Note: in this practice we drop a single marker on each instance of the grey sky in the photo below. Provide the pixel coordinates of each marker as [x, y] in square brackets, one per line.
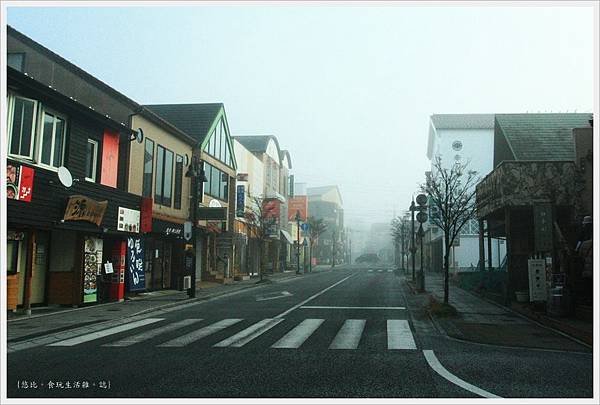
[346, 89]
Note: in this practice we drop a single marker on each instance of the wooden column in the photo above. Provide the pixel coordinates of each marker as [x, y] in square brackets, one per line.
[29, 272]
[508, 287]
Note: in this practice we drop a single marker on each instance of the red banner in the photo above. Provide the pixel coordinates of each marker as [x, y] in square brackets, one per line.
[26, 183]
[298, 204]
[146, 215]
[19, 182]
[271, 208]
[110, 158]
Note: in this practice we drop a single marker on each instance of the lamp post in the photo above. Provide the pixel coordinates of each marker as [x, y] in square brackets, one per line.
[298, 242]
[195, 171]
[421, 217]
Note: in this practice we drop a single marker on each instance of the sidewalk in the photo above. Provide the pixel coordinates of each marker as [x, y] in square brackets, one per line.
[484, 321]
[52, 319]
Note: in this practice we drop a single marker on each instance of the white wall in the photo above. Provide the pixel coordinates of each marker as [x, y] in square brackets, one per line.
[248, 163]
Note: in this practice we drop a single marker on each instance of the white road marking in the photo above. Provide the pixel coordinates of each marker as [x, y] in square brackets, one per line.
[191, 337]
[327, 307]
[390, 271]
[399, 335]
[438, 368]
[248, 334]
[370, 271]
[294, 338]
[312, 297]
[380, 271]
[349, 335]
[282, 294]
[130, 340]
[106, 332]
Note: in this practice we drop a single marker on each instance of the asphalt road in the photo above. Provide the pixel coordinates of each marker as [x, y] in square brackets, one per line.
[350, 332]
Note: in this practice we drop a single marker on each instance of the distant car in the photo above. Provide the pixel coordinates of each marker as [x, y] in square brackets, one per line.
[367, 258]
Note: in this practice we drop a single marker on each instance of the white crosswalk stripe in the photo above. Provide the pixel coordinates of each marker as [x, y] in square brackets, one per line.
[248, 334]
[294, 338]
[399, 335]
[106, 332]
[200, 333]
[349, 335]
[130, 340]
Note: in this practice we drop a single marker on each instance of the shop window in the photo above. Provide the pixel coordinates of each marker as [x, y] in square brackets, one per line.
[12, 256]
[164, 176]
[148, 168]
[91, 160]
[178, 181]
[21, 126]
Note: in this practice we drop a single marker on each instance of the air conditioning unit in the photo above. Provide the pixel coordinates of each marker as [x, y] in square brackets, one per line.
[187, 282]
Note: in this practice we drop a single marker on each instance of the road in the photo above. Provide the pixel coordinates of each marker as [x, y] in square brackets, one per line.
[350, 332]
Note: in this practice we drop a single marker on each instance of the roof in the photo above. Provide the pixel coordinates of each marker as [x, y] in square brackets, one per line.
[541, 136]
[463, 121]
[283, 153]
[319, 191]
[193, 119]
[257, 143]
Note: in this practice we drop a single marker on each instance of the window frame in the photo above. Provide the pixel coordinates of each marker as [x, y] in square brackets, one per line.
[178, 184]
[96, 145]
[149, 192]
[40, 138]
[161, 176]
[33, 135]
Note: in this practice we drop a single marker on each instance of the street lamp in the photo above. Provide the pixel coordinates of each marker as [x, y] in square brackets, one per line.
[413, 248]
[195, 172]
[421, 217]
[298, 242]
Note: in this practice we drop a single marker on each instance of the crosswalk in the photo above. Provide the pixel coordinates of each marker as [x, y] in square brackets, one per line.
[380, 271]
[348, 337]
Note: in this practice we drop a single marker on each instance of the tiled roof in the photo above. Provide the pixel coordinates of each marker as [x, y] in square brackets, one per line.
[255, 143]
[193, 119]
[463, 121]
[541, 136]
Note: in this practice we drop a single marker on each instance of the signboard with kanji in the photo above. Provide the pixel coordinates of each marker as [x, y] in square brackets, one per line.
[542, 227]
[19, 182]
[135, 264]
[537, 279]
[82, 208]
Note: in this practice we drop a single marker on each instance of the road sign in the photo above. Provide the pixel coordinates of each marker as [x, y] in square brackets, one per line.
[421, 199]
[304, 227]
[422, 217]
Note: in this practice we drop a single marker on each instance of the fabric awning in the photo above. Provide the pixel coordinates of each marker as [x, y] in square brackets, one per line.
[287, 236]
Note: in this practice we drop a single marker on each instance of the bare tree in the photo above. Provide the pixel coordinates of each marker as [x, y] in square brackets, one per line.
[400, 234]
[258, 221]
[316, 227]
[452, 192]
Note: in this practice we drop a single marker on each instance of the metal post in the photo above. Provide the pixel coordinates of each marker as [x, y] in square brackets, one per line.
[298, 242]
[413, 248]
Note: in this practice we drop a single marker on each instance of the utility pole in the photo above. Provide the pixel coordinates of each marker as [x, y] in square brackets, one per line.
[195, 172]
[413, 248]
[298, 242]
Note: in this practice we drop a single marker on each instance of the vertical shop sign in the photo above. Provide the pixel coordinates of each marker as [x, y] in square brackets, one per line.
[19, 182]
[110, 158]
[92, 268]
[240, 206]
[135, 264]
[146, 215]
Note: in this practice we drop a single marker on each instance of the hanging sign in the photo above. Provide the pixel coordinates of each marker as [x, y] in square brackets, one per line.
[135, 264]
[240, 201]
[129, 220]
[19, 182]
[81, 208]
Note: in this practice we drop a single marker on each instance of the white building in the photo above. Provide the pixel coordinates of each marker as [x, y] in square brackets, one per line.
[465, 138]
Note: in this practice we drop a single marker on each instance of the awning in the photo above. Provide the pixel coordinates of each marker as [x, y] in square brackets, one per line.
[287, 236]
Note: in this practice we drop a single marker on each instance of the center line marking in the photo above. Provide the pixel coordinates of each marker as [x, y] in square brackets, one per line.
[327, 307]
[312, 297]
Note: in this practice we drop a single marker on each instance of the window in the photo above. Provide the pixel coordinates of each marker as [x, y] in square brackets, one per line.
[12, 254]
[91, 160]
[164, 176]
[148, 166]
[16, 61]
[218, 182]
[21, 122]
[52, 140]
[178, 181]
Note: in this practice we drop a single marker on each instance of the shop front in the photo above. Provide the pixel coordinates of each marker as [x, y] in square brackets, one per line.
[164, 250]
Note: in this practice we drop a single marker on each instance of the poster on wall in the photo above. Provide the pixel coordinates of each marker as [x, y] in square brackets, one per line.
[135, 265]
[92, 267]
[19, 182]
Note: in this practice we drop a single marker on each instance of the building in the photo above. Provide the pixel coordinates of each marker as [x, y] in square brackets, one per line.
[276, 166]
[535, 198]
[207, 125]
[73, 229]
[464, 138]
[326, 203]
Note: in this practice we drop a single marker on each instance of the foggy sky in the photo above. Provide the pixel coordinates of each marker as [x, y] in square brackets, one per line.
[348, 90]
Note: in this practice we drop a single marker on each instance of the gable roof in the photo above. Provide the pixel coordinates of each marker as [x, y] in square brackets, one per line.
[193, 119]
[259, 143]
[463, 121]
[541, 136]
[284, 153]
